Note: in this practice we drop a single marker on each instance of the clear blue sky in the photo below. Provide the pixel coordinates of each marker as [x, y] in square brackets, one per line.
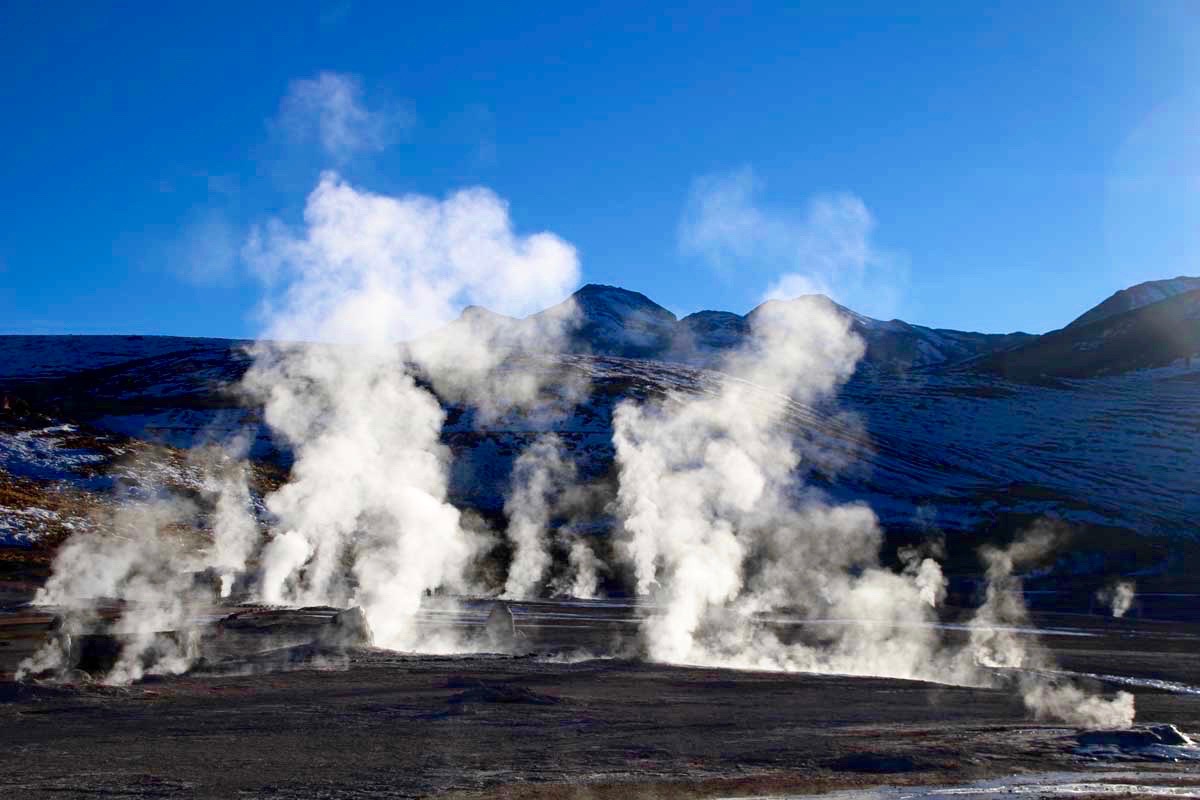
[1020, 160]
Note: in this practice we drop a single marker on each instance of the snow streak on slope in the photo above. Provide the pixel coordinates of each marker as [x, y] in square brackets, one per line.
[46, 453]
[1113, 450]
[1137, 296]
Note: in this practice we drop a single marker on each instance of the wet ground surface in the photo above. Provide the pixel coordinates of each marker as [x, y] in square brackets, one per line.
[312, 723]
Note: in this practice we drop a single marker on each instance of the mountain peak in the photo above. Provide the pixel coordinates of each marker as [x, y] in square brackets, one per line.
[599, 294]
[814, 301]
[616, 321]
[611, 320]
[1134, 297]
[480, 313]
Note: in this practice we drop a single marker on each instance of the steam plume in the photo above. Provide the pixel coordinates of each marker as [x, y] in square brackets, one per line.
[721, 532]
[235, 530]
[996, 642]
[584, 580]
[1118, 597]
[538, 476]
[364, 518]
[542, 487]
[716, 525]
[140, 561]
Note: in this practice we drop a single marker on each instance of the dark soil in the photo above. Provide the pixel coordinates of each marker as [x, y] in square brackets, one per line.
[373, 724]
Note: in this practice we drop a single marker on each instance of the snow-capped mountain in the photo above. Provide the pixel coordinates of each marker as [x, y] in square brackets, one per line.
[896, 345]
[1143, 294]
[617, 322]
[1148, 336]
[942, 429]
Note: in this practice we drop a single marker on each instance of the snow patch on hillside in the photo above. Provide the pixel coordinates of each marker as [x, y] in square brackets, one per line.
[25, 527]
[26, 358]
[1143, 294]
[43, 453]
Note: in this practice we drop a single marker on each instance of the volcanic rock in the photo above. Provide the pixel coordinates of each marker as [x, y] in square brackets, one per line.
[500, 630]
[349, 628]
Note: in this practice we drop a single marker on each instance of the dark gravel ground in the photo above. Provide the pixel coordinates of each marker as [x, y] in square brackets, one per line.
[373, 724]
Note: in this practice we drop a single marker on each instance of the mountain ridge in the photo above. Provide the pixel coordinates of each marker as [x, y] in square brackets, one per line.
[990, 450]
[1134, 297]
[1152, 335]
[614, 321]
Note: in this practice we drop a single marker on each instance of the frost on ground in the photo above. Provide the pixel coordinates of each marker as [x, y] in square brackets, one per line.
[38, 515]
[53, 452]
[57, 479]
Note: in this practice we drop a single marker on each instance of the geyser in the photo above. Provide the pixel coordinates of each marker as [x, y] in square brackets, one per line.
[343, 375]
[719, 528]
[364, 517]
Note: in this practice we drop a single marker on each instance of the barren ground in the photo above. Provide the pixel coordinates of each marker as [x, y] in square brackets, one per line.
[374, 723]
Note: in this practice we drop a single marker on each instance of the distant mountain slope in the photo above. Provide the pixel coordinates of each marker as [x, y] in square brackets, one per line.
[897, 345]
[1152, 335]
[980, 449]
[24, 358]
[612, 321]
[617, 322]
[715, 330]
[1135, 297]
[973, 454]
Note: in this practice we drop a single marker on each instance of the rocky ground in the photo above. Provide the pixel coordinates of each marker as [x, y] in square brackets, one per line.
[579, 716]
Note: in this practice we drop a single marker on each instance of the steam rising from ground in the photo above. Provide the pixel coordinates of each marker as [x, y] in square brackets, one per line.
[539, 475]
[583, 580]
[343, 377]
[236, 534]
[995, 642]
[543, 486]
[720, 530]
[364, 518]
[717, 523]
[143, 555]
[1118, 597]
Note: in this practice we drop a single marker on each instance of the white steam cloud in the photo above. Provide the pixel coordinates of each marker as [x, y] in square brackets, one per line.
[1118, 597]
[720, 532]
[542, 487]
[823, 248]
[364, 519]
[142, 578]
[996, 641]
[344, 379]
[583, 581]
[539, 476]
[235, 530]
[330, 109]
[748, 568]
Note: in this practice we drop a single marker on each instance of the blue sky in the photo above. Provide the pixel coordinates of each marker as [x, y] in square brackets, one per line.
[993, 167]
